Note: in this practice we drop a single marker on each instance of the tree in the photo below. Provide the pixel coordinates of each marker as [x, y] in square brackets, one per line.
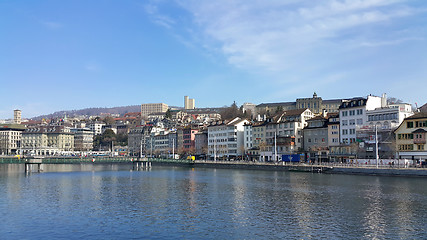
[122, 139]
[168, 114]
[104, 140]
[231, 112]
[109, 120]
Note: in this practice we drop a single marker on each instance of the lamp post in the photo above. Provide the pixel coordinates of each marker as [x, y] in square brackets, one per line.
[376, 144]
[215, 148]
[140, 149]
[275, 147]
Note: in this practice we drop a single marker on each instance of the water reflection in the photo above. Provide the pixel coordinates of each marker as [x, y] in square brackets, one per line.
[113, 202]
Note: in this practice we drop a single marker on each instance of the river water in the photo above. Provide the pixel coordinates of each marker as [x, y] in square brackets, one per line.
[114, 202]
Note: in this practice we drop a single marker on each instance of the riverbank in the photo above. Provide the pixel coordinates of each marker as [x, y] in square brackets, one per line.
[329, 169]
[267, 166]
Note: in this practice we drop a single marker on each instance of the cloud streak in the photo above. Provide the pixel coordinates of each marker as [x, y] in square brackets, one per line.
[273, 35]
[285, 40]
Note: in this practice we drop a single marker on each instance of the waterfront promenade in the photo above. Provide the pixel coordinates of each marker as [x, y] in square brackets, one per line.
[331, 168]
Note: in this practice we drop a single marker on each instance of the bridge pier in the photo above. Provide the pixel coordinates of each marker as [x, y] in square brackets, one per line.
[33, 162]
[141, 164]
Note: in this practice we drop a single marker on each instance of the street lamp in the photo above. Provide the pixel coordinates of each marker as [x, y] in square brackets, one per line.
[376, 144]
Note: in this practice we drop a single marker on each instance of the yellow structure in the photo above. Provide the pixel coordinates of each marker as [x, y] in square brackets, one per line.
[411, 138]
[47, 140]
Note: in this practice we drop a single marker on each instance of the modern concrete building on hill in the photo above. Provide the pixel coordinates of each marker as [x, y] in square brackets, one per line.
[17, 119]
[189, 103]
[148, 108]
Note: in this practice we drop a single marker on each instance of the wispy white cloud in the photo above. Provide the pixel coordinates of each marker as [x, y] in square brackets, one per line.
[51, 24]
[156, 17]
[293, 41]
[273, 35]
[390, 42]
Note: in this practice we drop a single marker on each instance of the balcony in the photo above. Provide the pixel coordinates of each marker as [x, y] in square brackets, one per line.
[419, 140]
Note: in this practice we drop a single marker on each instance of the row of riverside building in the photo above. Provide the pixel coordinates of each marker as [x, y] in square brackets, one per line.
[312, 129]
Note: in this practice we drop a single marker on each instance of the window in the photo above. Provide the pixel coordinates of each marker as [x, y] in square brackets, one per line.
[409, 124]
[344, 132]
[352, 122]
[344, 122]
[359, 111]
[344, 114]
[352, 131]
[359, 121]
[351, 112]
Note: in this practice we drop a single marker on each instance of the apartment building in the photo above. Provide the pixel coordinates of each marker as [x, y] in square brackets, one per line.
[10, 138]
[353, 115]
[225, 139]
[47, 140]
[316, 139]
[333, 129]
[411, 138]
[389, 116]
[96, 127]
[83, 139]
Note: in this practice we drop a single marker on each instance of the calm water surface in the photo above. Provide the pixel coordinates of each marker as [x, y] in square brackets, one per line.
[112, 202]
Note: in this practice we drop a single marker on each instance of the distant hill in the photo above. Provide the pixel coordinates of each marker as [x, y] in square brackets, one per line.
[92, 112]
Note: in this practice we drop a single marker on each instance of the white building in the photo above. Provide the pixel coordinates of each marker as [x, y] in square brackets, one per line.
[389, 117]
[225, 139]
[247, 136]
[96, 127]
[353, 115]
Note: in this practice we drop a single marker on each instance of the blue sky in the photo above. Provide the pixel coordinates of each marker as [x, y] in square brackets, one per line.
[65, 55]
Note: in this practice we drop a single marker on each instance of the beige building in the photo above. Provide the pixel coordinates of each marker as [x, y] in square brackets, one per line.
[148, 108]
[10, 138]
[334, 129]
[47, 140]
[411, 138]
[17, 116]
[189, 103]
[315, 104]
[83, 139]
[279, 135]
